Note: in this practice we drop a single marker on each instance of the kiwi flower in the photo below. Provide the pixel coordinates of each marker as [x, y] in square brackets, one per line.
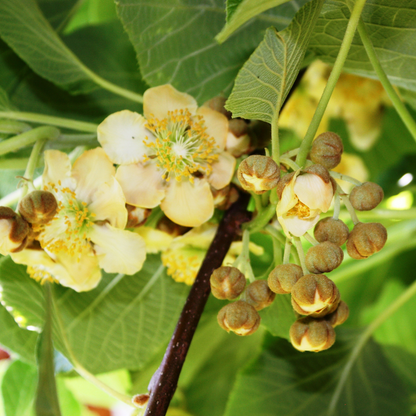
[170, 157]
[87, 232]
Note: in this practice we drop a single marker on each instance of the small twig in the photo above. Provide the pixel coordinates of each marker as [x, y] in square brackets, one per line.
[164, 381]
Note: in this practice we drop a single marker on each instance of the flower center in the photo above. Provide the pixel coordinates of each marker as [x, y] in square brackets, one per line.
[300, 209]
[182, 147]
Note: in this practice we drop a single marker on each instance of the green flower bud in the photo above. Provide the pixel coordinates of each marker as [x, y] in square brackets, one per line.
[330, 229]
[327, 150]
[283, 277]
[324, 257]
[239, 317]
[367, 196]
[38, 207]
[339, 316]
[259, 295]
[14, 232]
[227, 283]
[315, 295]
[308, 334]
[366, 239]
[258, 174]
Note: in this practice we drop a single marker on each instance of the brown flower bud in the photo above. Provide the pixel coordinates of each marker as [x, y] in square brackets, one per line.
[308, 334]
[14, 231]
[367, 196]
[258, 174]
[327, 149]
[239, 317]
[283, 277]
[330, 229]
[217, 104]
[366, 239]
[227, 283]
[320, 171]
[315, 295]
[259, 295]
[339, 316]
[38, 207]
[238, 127]
[324, 257]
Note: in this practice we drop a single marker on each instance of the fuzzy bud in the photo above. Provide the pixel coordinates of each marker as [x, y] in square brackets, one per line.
[14, 232]
[339, 316]
[239, 317]
[227, 283]
[320, 171]
[258, 174]
[259, 295]
[324, 257]
[308, 334]
[315, 295]
[367, 196]
[38, 207]
[327, 150]
[330, 229]
[283, 277]
[366, 239]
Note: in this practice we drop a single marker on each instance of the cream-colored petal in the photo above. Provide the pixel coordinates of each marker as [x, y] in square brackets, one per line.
[142, 184]
[216, 125]
[188, 204]
[156, 240]
[222, 171]
[297, 226]
[314, 192]
[122, 136]
[288, 199]
[158, 101]
[237, 146]
[57, 169]
[91, 170]
[109, 204]
[118, 251]
[6, 244]
[199, 237]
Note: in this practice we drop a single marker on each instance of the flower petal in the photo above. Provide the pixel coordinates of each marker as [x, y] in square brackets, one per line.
[237, 146]
[156, 240]
[216, 125]
[158, 101]
[118, 251]
[288, 199]
[297, 226]
[188, 204]
[57, 169]
[142, 184]
[222, 171]
[314, 192]
[122, 134]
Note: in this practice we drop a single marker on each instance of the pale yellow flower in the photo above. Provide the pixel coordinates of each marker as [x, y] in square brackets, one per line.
[172, 156]
[87, 233]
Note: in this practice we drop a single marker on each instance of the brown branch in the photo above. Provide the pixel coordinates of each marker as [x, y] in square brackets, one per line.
[165, 380]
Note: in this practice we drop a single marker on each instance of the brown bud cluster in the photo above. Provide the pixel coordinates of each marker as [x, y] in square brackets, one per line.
[283, 277]
[38, 207]
[14, 232]
[239, 317]
[227, 283]
[330, 229]
[366, 239]
[259, 295]
[367, 196]
[327, 150]
[324, 257]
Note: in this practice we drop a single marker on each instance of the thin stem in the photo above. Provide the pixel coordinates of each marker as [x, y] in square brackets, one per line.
[310, 239]
[346, 178]
[275, 140]
[301, 254]
[243, 260]
[350, 209]
[291, 153]
[277, 251]
[28, 138]
[391, 92]
[13, 127]
[262, 219]
[258, 202]
[283, 241]
[337, 205]
[289, 162]
[332, 80]
[288, 246]
[50, 120]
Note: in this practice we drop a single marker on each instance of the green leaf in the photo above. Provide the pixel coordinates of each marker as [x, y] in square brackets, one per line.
[120, 324]
[4, 101]
[57, 12]
[392, 30]
[284, 381]
[174, 42]
[267, 77]
[18, 388]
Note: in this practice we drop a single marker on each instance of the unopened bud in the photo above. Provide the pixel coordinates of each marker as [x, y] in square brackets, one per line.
[217, 104]
[140, 400]
[315, 295]
[38, 207]
[320, 171]
[324, 257]
[327, 150]
[239, 317]
[339, 316]
[366, 239]
[259, 295]
[330, 229]
[227, 283]
[367, 196]
[283, 277]
[258, 174]
[14, 232]
[309, 334]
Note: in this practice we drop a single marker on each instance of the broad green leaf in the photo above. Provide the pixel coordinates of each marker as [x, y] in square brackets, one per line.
[57, 12]
[121, 324]
[284, 381]
[174, 42]
[267, 77]
[18, 388]
[392, 30]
